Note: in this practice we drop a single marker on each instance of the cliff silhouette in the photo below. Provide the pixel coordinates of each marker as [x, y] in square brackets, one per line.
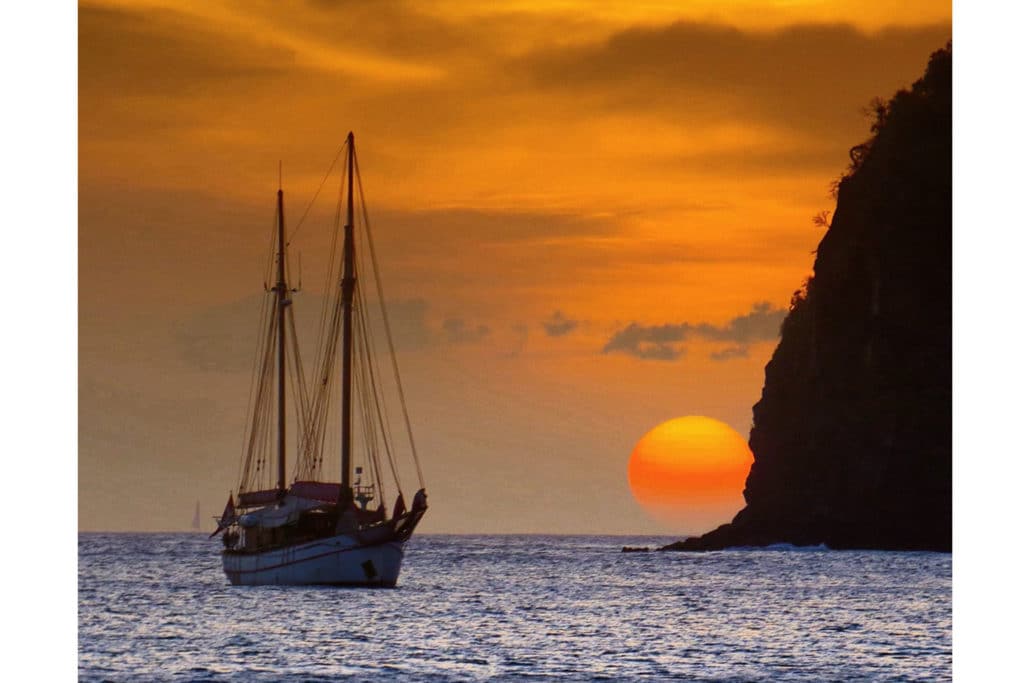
[852, 437]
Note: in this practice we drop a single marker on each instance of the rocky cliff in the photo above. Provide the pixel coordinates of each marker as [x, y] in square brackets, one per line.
[852, 435]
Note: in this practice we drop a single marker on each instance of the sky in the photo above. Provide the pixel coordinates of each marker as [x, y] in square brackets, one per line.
[590, 219]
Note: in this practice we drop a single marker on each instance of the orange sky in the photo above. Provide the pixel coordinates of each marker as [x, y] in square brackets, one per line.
[594, 198]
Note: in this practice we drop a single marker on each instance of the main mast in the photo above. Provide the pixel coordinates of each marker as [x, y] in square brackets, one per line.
[281, 288]
[348, 286]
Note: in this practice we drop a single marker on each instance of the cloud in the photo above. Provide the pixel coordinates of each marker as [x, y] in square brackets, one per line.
[512, 344]
[558, 325]
[654, 342]
[494, 227]
[761, 324]
[409, 326]
[146, 78]
[729, 353]
[664, 342]
[223, 337]
[166, 54]
[458, 332]
[808, 77]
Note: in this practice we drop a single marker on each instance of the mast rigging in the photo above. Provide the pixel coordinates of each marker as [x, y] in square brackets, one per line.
[348, 286]
[281, 289]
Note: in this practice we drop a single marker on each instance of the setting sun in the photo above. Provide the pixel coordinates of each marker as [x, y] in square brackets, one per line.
[688, 472]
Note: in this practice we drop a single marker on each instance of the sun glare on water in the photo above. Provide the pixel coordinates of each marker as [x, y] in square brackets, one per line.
[688, 473]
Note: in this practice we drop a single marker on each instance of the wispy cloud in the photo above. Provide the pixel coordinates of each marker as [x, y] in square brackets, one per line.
[458, 332]
[729, 353]
[558, 325]
[665, 342]
[773, 76]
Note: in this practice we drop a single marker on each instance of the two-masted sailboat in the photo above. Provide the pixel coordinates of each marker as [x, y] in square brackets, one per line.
[310, 530]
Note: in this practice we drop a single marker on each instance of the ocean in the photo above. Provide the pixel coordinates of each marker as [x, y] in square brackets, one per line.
[157, 607]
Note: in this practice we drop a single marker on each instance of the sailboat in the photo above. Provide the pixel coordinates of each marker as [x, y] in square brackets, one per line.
[195, 518]
[311, 530]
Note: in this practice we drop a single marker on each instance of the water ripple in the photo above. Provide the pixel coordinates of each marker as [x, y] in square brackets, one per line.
[470, 608]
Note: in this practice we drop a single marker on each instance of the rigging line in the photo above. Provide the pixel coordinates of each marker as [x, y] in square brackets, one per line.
[328, 381]
[297, 410]
[308, 447]
[317, 425]
[253, 383]
[267, 419]
[260, 447]
[305, 402]
[323, 362]
[251, 408]
[330, 294]
[387, 325]
[373, 459]
[373, 367]
[263, 432]
[378, 401]
[268, 267]
[390, 441]
[375, 455]
[367, 413]
[256, 455]
[309, 450]
[313, 411]
[314, 431]
[317, 193]
[327, 377]
[328, 298]
[300, 375]
[359, 382]
[299, 393]
[258, 403]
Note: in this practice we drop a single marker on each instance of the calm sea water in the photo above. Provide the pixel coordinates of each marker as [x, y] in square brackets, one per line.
[157, 607]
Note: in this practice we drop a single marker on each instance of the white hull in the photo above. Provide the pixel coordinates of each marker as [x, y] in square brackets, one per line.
[337, 560]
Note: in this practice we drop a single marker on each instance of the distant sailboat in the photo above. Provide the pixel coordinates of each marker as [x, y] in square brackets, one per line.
[195, 518]
[312, 531]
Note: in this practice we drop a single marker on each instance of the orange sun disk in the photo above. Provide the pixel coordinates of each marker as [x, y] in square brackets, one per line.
[690, 472]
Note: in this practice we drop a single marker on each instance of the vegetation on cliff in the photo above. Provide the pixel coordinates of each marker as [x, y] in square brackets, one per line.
[852, 437]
